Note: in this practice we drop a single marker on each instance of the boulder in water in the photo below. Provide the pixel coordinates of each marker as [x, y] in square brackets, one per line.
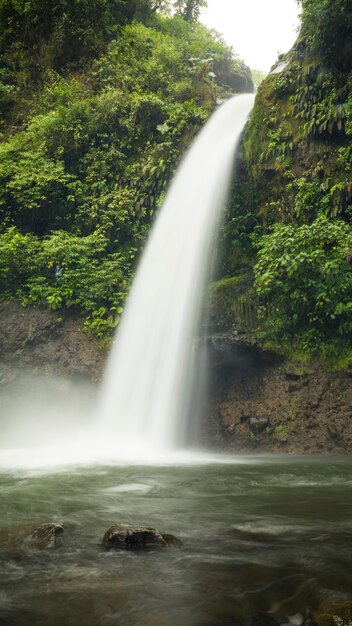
[171, 540]
[136, 537]
[45, 537]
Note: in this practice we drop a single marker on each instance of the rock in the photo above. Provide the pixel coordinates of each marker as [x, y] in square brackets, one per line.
[292, 374]
[171, 540]
[258, 424]
[136, 537]
[337, 613]
[231, 429]
[45, 537]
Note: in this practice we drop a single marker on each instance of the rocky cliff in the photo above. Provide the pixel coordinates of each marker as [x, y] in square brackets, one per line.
[260, 403]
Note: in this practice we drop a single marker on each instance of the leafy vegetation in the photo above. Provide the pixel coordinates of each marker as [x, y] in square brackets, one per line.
[92, 134]
[326, 30]
[66, 270]
[290, 215]
[304, 280]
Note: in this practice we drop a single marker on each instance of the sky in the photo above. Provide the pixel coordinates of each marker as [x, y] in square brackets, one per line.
[258, 30]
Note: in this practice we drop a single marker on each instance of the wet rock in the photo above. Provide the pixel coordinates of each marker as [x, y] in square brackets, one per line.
[258, 424]
[45, 537]
[292, 374]
[137, 537]
[171, 540]
[337, 613]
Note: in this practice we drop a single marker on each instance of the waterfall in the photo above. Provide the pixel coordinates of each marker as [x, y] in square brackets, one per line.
[145, 394]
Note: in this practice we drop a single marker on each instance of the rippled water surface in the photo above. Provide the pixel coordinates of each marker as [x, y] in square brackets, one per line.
[263, 540]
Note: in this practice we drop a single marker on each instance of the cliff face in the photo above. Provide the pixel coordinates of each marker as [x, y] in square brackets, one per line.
[34, 341]
[260, 403]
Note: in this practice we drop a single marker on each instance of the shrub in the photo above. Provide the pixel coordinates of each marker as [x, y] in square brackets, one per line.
[303, 277]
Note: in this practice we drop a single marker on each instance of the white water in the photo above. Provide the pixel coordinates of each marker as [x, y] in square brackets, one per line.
[146, 393]
[145, 399]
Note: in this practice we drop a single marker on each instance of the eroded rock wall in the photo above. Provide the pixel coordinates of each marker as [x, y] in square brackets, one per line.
[259, 403]
[36, 340]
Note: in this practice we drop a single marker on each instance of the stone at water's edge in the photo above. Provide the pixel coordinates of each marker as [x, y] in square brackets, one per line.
[45, 537]
[136, 537]
[171, 540]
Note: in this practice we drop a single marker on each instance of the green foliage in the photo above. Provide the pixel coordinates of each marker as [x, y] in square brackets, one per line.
[18, 259]
[84, 174]
[295, 192]
[258, 77]
[232, 304]
[279, 144]
[60, 32]
[321, 106]
[189, 9]
[326, 29]
[37, 190]
[38, 36]
[303, 277]
[65, 270]
[310, 198]
[99, 156]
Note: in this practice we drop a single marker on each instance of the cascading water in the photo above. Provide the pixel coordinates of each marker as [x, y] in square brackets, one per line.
[150, 371]
[146, 395]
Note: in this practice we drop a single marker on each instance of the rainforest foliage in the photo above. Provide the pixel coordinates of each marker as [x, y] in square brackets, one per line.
[99, 99]
[289, 224]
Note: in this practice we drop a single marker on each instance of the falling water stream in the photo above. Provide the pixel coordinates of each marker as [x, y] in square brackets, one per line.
[266, 541]
[148, 385]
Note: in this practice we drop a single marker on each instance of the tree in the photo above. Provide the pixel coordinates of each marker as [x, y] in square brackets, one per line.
[326, 26]
[189, 9]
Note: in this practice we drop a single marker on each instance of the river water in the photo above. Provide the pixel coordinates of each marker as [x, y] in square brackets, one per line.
[265, 541]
